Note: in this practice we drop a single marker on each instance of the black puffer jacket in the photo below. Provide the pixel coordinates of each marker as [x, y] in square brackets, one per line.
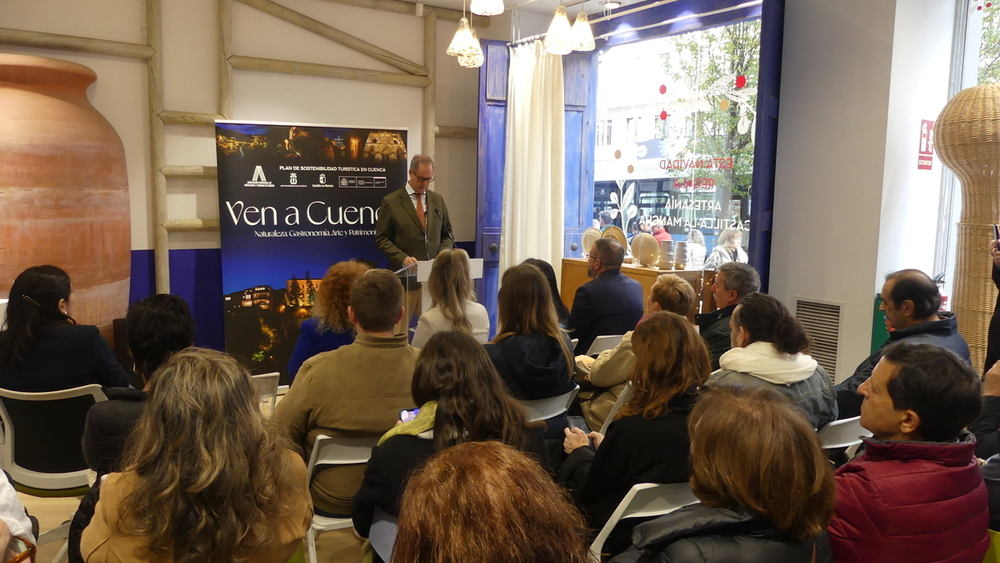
[714, 329]
[533, 366]
[698, 533]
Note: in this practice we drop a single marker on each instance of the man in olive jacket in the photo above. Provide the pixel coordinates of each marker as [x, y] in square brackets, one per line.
[734, 281]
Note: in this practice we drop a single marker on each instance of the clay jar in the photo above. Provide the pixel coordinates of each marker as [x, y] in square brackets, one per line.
[63, 186]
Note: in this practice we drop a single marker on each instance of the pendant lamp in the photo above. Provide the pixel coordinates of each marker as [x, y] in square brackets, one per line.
[559, 37]
[583, 37]
[464, 41]
[486, 7]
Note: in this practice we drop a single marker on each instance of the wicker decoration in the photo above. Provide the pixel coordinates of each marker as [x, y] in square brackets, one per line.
[967, 138]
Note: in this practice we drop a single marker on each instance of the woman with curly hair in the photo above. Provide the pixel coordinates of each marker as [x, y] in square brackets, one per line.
[205, 478]
[328, 328]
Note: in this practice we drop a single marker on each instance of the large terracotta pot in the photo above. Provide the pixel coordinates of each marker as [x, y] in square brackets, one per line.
[63, 186]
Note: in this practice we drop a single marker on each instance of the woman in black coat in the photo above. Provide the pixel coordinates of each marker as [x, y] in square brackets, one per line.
[648, 441]
[766, 489]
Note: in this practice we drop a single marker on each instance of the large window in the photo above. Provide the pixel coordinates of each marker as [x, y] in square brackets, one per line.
[685, 107]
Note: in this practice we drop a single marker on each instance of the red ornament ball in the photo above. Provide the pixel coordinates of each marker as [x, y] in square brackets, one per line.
[741, 81]
[979, 7]
[663, 115]
[663, 88]
[989, 4]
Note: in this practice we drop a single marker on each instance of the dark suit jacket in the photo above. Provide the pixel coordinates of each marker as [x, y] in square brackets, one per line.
[68, 357]
[398, 233]
[610, 304]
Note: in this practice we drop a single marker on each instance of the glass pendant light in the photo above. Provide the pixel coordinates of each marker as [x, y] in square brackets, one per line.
[583, 37]
[486, 7]
[559, 37]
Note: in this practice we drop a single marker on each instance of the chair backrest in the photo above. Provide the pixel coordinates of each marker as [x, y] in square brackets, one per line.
[42, 436]
[642, 501]
[622, 397]
[382, 534]
[605, 342]
[328, 450]
[544, 409]
[267, 391]
[842, 433]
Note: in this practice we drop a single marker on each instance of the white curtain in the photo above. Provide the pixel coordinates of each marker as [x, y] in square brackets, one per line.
[534, 170]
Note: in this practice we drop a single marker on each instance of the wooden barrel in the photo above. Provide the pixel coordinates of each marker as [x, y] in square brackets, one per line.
[63, 186]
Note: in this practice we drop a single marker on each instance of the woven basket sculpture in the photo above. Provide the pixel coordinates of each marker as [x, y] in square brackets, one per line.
[967, 139]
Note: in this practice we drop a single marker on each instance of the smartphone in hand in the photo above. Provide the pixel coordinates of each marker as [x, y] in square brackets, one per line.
[407, 415]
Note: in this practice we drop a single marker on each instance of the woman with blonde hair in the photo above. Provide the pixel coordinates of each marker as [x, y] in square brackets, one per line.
[329, 328]
[206, 478]
[648, 441]
[489, 503]
[453, 301]
[695, 250]
[530, 351]
[610, 371]
[728, 248]
[766, 489]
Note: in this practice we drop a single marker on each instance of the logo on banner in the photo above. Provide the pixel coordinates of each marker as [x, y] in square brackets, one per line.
[258, 180]
[293, 178]
[925, 153]
[322, 179]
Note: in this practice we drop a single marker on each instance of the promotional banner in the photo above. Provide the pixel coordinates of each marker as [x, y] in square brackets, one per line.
[294, 199]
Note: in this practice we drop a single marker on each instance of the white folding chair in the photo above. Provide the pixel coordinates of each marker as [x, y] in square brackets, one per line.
[41, 450]
[605, 342]
[842, 433]
[573, 342]
[643, 501]
[267, 391]
[334, 451]
[382, 534]
[622, 397]
[544, 409]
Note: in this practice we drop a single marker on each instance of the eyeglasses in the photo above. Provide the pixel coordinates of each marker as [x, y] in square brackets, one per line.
[421, 179]
[19, 550]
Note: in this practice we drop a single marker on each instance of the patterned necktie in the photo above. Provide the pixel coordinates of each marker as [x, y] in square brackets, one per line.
[420, 211]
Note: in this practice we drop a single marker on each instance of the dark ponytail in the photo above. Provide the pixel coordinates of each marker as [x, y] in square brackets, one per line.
[767, 320]
[33, 311]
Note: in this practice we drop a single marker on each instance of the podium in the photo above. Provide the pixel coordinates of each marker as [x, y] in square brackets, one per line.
[423, 272]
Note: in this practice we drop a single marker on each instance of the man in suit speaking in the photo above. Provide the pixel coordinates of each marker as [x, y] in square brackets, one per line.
[413, 225]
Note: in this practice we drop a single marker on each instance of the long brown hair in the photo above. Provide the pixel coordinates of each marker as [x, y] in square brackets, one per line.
[752, 448]
[472, 402]
[489, 503]
[670, 358]
[211, 472]
[524, 306]
[333, 296]
[451, 287]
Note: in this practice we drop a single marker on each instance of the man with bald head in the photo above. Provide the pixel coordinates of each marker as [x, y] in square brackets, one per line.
[611, 303]
[910, 302]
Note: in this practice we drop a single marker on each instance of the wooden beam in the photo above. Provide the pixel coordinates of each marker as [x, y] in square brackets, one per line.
[225, 51]
[161, 254]
[73, 43]
[190, 225]
[410, 8]
[430, 91]
[190, 171]
[446, 132]
[188, 118]
[335, 35]
[311, 69]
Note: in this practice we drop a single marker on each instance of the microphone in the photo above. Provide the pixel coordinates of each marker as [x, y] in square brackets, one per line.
[446, 225]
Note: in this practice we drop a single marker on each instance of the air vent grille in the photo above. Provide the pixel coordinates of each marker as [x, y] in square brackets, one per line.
[822, 324]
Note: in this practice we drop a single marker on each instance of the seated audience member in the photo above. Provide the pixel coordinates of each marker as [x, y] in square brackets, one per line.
[357, 389]
[991, 475]
[910, 301]
[917, 493]
[986, 426]
[758, 503]
[550, 275]
[13, 516]
[42, 347]
[489, 503]
[733, 282]
[728, 248]
[206, 478]
[768, 346]
[453, 301]
[329, 328]
[611, 303]
[157, 326]
[648, 441]
[461, 399]
[530, 351]
[611, 369]
[993, 336]
[696, 250]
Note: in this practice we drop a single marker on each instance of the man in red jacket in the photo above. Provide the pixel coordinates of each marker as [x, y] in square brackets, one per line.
[916, 494]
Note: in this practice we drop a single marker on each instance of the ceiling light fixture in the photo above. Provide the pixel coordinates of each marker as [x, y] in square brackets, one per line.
[486, 7]
[465, 45]
[583, 36]
[559, 37]
[612, 5]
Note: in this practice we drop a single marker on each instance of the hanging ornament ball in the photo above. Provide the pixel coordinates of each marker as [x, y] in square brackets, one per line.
[663, 88]
[989, 4]
[630, 169]
[979, 7]
[741, 81]
[724, 105]
[663, 115]
[618, 154]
